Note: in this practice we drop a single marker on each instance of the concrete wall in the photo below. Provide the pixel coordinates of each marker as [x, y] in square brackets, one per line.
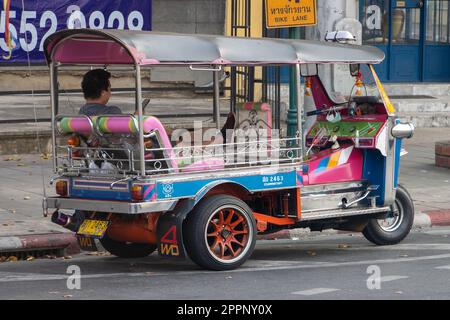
[183, 16]
[189, 16]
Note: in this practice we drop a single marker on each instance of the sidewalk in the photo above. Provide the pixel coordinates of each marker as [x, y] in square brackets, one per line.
[22, 225]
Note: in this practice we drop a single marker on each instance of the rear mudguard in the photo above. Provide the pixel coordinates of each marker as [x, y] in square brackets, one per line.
[170, 224]
[170, 230]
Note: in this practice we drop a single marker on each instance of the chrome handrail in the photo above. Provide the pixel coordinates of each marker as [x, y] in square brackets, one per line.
[239, 154]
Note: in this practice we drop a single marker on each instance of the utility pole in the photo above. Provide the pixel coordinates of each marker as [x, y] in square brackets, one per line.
[294, 33]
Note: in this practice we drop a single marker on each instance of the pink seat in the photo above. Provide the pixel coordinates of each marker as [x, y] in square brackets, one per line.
[205, 164]
[128, 124]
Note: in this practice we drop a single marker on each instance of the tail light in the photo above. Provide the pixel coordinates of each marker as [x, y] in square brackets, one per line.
[137, 193]
[62, 188]
[74, 141]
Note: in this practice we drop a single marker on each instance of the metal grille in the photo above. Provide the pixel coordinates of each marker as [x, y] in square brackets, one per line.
[242, 78]
[271, 81]
[31, 254]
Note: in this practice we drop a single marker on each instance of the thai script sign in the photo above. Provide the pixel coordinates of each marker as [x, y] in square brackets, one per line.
[290, 13]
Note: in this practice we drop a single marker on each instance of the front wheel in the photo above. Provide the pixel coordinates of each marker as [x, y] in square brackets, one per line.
[220, 233]
[397, 225]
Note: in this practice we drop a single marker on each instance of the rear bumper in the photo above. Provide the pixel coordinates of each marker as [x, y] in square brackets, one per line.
[108, 205]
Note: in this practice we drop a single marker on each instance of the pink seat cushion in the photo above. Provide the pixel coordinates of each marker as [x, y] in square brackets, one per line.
[205, 164]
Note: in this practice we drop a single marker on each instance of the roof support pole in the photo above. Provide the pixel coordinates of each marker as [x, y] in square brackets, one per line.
[294, 33]
[54, 108]
[140, 119]
[216, 99]
[300, 142]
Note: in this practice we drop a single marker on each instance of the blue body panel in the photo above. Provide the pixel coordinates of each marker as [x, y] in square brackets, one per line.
[374, 170]
[99, 190]
[397, 151]
[188, 189]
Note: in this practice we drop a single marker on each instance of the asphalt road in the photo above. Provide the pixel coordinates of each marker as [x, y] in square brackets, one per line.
[343, 266]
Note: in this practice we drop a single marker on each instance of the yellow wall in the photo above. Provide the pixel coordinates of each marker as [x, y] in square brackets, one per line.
[256, 29]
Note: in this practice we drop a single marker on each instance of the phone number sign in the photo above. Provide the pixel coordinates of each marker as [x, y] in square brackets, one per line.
[28, 26]
[290, 13]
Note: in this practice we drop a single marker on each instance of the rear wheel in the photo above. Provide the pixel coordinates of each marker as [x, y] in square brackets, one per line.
[397, 225]
[220, 233]
[127, 249]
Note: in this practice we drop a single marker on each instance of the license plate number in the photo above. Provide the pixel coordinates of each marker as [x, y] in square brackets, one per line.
[93, 228]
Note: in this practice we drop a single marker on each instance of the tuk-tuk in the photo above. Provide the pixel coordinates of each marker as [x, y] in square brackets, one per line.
[136, 190]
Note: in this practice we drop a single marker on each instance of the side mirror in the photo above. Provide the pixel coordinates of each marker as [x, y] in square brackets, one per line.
[309, 70]
[340, 36]
[354, 70]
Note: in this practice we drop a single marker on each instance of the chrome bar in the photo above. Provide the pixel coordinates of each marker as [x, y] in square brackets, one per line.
[54, 109]
[111, 186]
[352, 202]
[110, 205]
[328, 214]
[216, 105]
[140, 119]
[300, 141]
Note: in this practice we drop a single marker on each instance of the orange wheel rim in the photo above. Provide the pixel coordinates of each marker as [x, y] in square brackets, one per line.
[227, 234]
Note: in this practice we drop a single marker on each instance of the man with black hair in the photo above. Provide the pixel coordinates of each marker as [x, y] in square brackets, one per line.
[97, 91]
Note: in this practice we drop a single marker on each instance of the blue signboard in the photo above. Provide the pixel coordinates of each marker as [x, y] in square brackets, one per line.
[29, 25]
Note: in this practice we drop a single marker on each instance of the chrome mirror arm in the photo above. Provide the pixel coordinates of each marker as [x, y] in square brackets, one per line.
[121, 180]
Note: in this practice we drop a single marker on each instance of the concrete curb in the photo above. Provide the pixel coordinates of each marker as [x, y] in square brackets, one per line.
[68, 241]
[65, 241]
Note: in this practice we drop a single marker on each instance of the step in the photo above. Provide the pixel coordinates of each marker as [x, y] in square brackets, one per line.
[428, 89]
[436, 104]
[442, 154]
[426, 119]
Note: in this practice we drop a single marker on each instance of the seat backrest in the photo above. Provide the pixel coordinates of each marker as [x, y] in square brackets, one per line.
[152, 124]
[254, 115]
[76, 124]
[251, 117]
[124, 124]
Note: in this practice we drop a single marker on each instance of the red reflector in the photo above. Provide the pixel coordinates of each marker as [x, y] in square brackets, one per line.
[136, 193]
[76, 154]
[61, 188]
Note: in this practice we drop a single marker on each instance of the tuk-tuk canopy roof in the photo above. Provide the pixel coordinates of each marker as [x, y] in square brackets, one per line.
[87, 46]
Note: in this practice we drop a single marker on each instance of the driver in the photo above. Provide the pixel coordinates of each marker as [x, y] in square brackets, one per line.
[97, 92]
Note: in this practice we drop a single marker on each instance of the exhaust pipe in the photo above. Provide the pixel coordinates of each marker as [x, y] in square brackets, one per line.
[65, 221]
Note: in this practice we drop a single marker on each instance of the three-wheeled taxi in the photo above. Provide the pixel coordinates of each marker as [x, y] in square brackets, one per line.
[137, 190]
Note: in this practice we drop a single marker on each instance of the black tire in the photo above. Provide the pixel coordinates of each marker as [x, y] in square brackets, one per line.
[400, 225]
[127, 249]
[220, 246]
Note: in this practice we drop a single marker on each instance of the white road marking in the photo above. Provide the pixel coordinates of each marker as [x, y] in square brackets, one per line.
[441, 231]
[392, 278]
[444, 267]
[315, 291]
[421, 246]
[343, 264]
[289, 265]
[256, 263]
[11, 277]
[363, 247]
